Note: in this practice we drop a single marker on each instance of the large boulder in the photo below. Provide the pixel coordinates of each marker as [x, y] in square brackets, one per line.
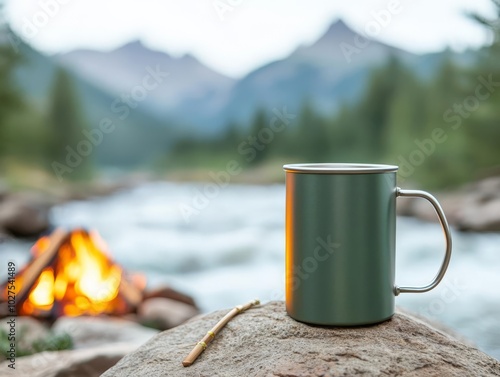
[265, 341]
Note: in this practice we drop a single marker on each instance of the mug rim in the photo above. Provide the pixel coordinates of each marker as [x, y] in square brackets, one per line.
[339, 168]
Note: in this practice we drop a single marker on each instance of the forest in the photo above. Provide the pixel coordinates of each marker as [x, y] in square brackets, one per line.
[442, 130]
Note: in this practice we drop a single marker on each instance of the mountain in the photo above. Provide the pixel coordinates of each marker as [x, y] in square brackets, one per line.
[195, 101]
[327, 73]
[321, 73]
[189, 85]
[138, 138]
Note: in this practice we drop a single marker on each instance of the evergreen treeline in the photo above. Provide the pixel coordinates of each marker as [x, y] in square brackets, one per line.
[35, 135]
[442, 131]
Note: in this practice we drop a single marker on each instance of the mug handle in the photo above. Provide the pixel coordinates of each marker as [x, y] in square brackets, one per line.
[447, 236]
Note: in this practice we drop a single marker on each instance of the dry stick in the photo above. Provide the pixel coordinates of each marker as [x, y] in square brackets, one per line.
[201, 345]
[35, 268]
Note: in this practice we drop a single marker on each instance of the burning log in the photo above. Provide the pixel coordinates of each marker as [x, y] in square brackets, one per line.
[71, 274]
[34, 269]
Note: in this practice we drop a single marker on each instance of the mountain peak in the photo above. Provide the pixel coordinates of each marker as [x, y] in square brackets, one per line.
[134, 45]
[138, 49]
[322, 50]
[338, 30]
[338, 26]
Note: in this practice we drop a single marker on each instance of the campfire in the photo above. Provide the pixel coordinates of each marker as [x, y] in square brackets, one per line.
[72, 274]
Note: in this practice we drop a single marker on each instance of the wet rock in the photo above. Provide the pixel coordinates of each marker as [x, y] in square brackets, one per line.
[265, 341]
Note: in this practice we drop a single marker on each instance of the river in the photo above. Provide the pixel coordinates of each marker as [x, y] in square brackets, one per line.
[232, 251]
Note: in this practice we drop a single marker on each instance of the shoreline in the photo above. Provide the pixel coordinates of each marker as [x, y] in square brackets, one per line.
[24, 209]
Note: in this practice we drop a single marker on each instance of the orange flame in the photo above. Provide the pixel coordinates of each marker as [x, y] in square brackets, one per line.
[82, 281]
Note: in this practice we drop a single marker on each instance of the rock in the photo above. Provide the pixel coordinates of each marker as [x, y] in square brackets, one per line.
[480, 210]
[480, 217]
[475, 207]
[3, 191]
[27, 331]
[23, 216]
[264, 341]
[91, 362]
[165, 313]
[451, 204]
[3, 236]
[88, 332]
[167, 292]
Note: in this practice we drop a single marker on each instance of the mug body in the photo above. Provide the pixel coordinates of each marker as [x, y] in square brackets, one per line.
[340, 243]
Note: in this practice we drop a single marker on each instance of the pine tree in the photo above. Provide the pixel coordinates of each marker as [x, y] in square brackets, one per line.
[10, 98]
[312, 141]
[65, 123]
[482, 129]
[375, 107]
[259, 122]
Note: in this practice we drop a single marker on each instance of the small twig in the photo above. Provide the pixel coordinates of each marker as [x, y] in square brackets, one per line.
[202, 344]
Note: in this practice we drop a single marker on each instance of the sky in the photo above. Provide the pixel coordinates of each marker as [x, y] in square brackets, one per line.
[236, 36]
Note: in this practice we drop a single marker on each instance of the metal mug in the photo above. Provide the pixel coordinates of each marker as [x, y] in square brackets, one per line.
[340, 243]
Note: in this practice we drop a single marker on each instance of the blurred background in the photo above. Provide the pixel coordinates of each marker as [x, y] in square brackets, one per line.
[164, 126]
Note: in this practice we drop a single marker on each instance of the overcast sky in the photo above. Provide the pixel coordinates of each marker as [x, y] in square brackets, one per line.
[241, 35]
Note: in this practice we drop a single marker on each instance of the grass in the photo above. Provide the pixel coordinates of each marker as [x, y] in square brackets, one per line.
[52, 342]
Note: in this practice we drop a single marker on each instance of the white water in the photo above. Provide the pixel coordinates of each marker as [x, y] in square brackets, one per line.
[233, 251]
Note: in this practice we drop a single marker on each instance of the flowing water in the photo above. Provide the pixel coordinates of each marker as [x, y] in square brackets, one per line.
[232, 251]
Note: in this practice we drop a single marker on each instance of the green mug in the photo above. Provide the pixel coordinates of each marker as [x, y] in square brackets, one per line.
[340, 243]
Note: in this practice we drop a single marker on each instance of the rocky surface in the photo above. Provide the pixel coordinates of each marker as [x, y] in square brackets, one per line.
[475, 207]
[89, 362]
[264, 341]
[88, 332]
[28, 330]
[98, 342]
